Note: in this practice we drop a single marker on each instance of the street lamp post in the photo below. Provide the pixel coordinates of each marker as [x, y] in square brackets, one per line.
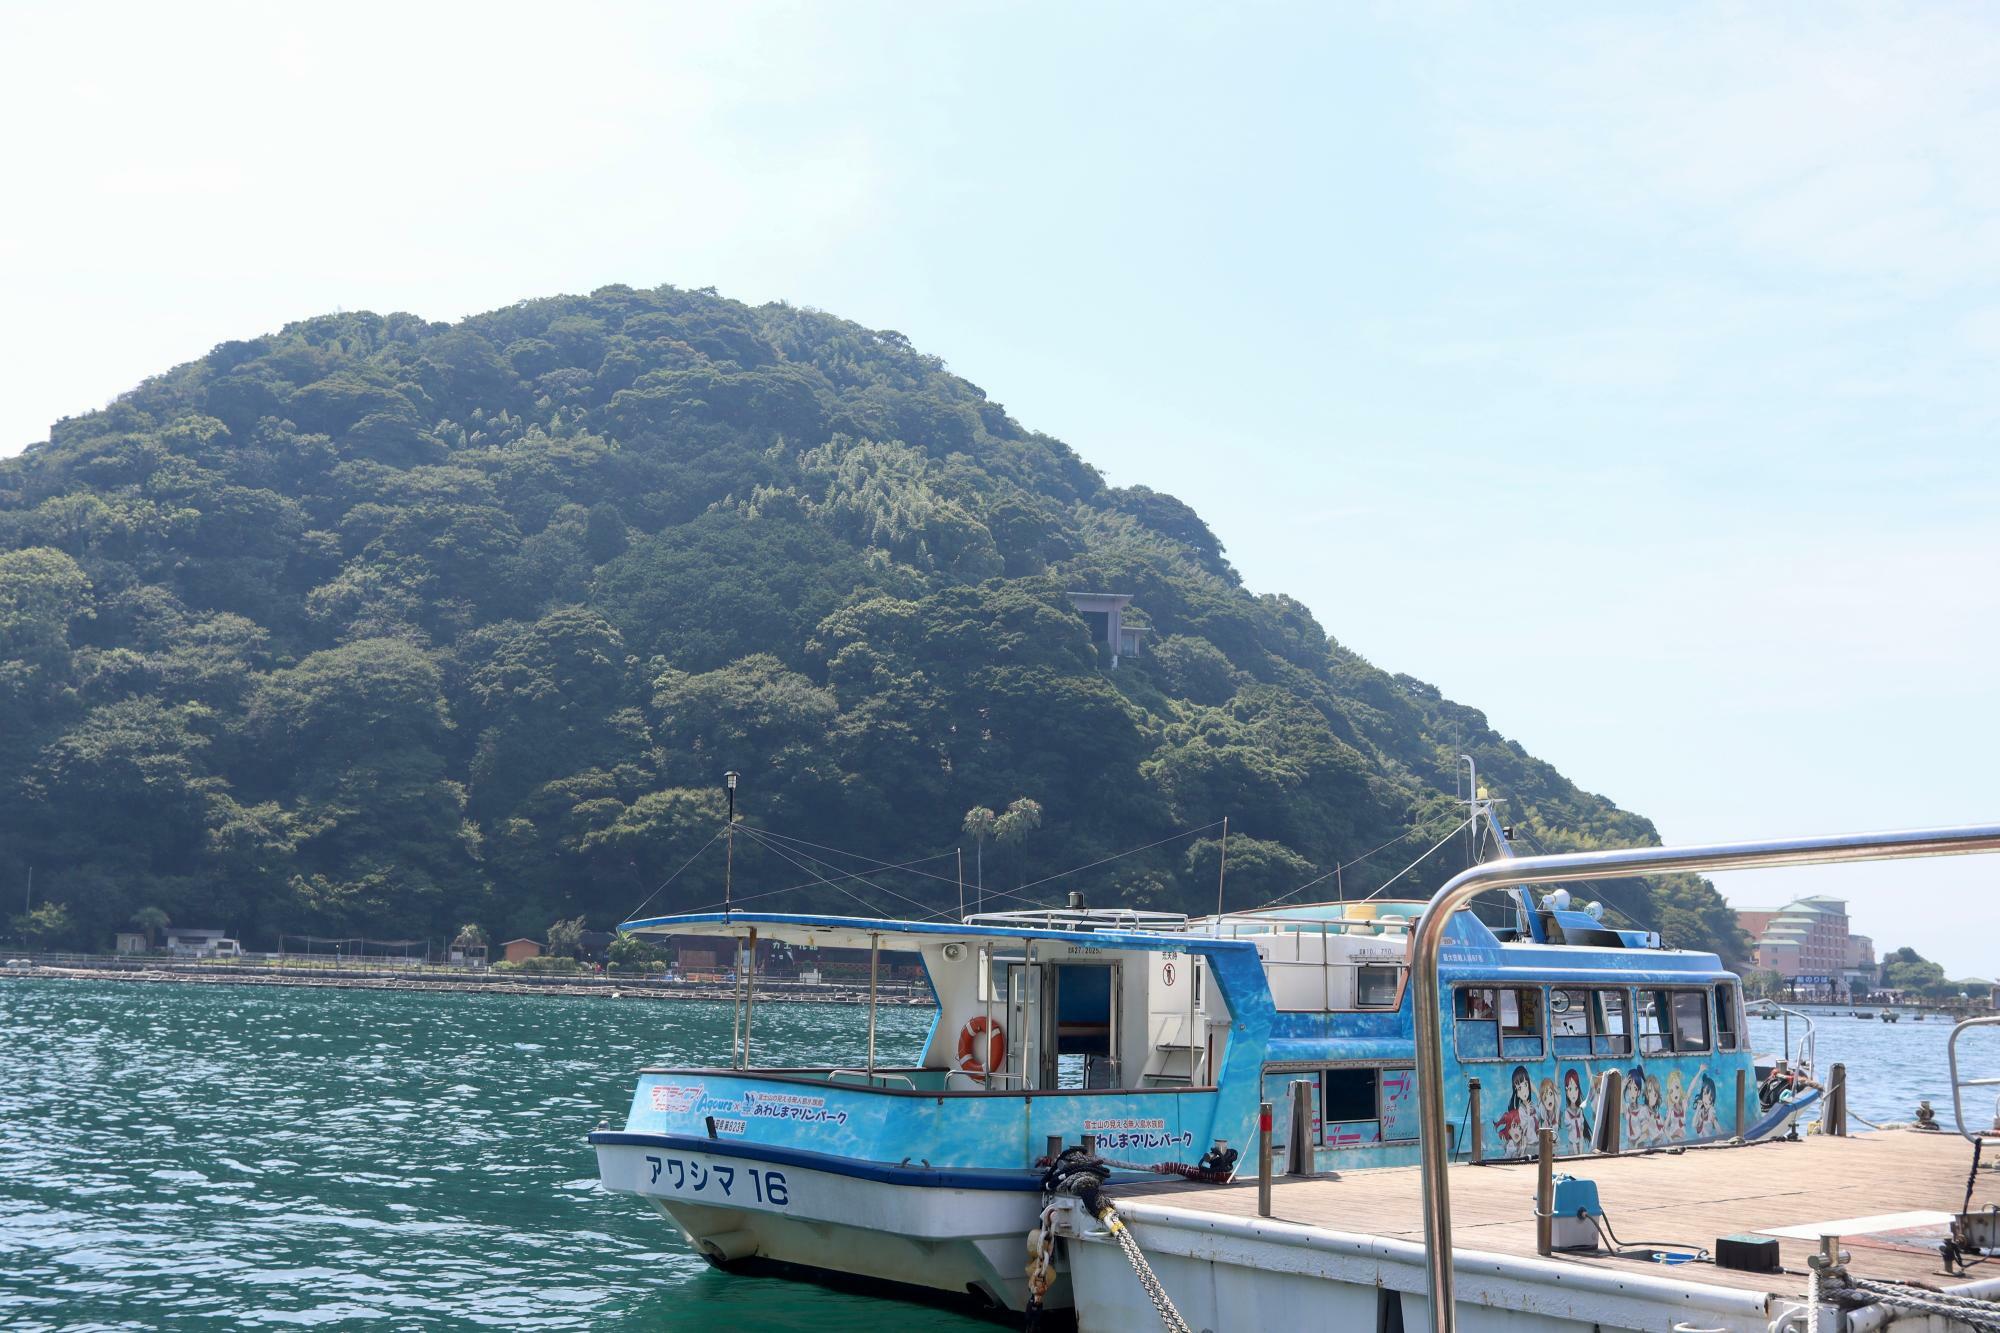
[729, 842]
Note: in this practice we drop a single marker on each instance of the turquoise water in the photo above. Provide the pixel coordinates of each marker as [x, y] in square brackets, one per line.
[235, 1156]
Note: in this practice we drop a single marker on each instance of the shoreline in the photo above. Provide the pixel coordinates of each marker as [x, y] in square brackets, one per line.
[581, 987]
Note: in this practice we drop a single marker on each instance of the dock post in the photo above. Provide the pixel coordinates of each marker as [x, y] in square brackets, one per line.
[1741, 1076]
[1836, 1101]
[1545, 1193]
[1472, 1110]
[1264, 1159]
[1612, 1118]
[1055, 1146]
[1299, 1133]
[1090, 1145]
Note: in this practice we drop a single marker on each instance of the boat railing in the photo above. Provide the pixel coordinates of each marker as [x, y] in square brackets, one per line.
[1808, 1047]
[1239, 927]
[878, 1079]
[1427, 943]
[1959, 1085]
[1131, 919]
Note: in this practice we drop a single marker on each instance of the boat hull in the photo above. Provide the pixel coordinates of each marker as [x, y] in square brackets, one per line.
[958, 1235]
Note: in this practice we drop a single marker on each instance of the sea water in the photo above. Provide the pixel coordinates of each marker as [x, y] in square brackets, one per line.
[213, 1156]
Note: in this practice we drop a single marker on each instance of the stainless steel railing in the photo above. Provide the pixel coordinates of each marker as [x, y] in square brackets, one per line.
[1958, 1085]
[1428, 941]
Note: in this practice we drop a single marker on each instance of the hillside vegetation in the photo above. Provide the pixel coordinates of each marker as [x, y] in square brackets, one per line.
[378, 625]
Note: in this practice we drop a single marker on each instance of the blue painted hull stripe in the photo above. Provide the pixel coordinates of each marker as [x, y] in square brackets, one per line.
[924, 1177]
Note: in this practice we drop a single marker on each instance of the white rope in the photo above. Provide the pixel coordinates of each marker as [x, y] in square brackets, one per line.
[1980, 1314]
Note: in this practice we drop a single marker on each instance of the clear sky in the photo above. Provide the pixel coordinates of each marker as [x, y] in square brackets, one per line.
[1628, 372]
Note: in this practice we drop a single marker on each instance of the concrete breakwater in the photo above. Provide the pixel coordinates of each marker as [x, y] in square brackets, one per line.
[585, 986]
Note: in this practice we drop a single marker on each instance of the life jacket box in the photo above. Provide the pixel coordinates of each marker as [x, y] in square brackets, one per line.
[1747, 1254]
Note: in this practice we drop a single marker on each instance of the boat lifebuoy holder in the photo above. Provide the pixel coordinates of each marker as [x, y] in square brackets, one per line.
[982, 1046]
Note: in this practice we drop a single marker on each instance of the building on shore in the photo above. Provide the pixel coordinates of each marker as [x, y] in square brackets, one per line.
[129, 941]
[1104, 612]
[200, 941]
[1807, 942]
[519, 951]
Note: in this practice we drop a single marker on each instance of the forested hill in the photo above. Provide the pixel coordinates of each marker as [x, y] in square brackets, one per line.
[376, 625]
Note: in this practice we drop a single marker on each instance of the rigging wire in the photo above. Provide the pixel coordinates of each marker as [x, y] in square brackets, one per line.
[817, 881]
[676, 875]
[1106, 860]
[1456, 830]
[1020, 893]
[1345, 865]
[779, 850]
[858, 856]
[1601, 886]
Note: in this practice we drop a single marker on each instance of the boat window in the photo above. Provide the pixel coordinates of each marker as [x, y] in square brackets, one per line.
[1727, 1016]
[1496, 1022]
[1611, 1037]
[1350, 1095]
[1653, 1039]
[1520, 1012]
[1690, 1020]
[1377, 986]
[1673, 1022]
[1363, 1106]
[1569, 1013]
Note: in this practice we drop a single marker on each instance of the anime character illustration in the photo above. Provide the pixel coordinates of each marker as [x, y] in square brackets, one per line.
[1549, 1113]
[1519, 1125]
[1676, 1108]
[1702, 1122]
[1654, 1112]
[1575, 1113]
[1638, 1125]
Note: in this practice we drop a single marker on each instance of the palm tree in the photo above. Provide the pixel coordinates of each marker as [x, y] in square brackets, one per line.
[471, 937]
[979, 823]
[151, 920]
[1012, 829]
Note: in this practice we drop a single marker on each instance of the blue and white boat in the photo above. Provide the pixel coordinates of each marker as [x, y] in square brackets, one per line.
[1156, 1037]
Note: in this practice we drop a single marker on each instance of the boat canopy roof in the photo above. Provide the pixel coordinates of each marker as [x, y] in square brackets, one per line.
[860, 932]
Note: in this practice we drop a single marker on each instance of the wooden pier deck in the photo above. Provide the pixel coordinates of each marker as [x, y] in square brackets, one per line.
[1892, 1179]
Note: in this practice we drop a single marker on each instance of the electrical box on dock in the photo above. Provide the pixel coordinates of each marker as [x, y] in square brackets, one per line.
[1747, 1254]
[1575, 1205]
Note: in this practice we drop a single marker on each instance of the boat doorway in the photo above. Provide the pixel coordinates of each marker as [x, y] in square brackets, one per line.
[1081, 1043]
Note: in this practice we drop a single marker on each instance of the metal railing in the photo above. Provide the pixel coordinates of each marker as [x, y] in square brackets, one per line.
[1808, 1040]
[1428, 941]
[1959, 1085]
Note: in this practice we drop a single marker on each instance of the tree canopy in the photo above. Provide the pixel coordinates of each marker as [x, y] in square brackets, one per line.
[382, 626]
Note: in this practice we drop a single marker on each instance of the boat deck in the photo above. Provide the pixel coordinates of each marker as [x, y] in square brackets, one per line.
[1885, 1191]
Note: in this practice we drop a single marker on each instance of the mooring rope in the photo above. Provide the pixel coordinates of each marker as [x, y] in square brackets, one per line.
[1079, 1175]
[1969, 1310]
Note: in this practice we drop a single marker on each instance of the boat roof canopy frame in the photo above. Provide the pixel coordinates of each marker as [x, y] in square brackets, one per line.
[855, 932]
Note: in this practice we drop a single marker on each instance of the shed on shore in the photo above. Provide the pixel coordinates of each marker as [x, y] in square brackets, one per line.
[519, 950]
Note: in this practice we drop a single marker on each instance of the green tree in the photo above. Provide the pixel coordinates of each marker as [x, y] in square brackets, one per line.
[1021, 818]
[979, 822]
[1908, 971]
[45, 926]
[151, 920]
[565, 937]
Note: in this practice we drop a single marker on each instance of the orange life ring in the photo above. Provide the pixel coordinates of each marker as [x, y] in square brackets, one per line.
[973, 1061]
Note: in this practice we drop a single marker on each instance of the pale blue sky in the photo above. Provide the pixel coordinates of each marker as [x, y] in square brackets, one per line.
[1628, 372]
